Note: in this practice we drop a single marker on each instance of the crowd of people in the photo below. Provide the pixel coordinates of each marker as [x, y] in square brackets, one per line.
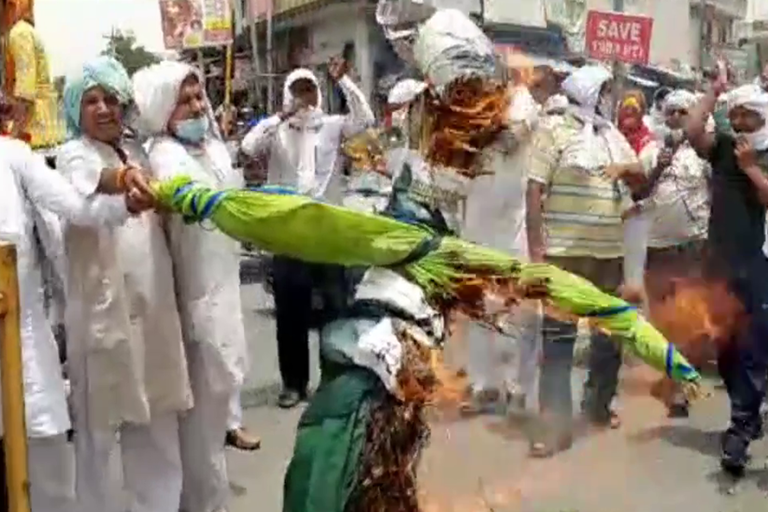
[631, 197]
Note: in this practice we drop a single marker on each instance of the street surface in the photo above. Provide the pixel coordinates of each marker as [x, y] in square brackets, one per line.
[651, 464]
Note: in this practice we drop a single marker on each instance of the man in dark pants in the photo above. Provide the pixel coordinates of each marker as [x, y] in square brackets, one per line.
[303, 144]
[296, 284]
[736, 236]
[292, 288]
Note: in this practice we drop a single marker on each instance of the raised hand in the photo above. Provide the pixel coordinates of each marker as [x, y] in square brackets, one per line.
[337, 68]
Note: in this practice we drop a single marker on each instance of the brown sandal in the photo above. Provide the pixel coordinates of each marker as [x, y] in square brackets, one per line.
[240, 439]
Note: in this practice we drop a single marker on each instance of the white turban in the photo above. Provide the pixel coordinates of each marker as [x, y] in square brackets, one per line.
[584, 84]
[405, 91]
[680, 99]
[755, 99]
[156, 92]
[751, 97]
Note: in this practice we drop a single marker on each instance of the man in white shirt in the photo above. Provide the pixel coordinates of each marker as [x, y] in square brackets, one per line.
[496, 217]
[303, 144]
[677, 209]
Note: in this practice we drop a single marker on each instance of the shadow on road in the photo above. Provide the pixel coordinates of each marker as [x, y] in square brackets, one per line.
[728, 486]
[682, 436]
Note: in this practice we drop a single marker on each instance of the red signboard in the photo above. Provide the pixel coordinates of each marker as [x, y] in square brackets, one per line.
[619, 37]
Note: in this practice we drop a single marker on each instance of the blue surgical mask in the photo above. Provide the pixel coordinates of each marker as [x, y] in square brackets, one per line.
[192, 130]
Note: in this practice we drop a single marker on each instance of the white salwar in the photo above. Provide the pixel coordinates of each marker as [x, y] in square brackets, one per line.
[235, 421]
[207, 270]
[126, 356]
[496, 218]
[30, 190]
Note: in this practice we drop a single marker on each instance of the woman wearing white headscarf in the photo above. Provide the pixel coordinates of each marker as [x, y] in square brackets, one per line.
[734, 252]
[175, 112]
[303, 145]
[27, 184]
[575, 201]
[125, 353]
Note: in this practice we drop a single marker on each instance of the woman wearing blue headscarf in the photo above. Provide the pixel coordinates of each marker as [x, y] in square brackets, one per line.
[126, 356]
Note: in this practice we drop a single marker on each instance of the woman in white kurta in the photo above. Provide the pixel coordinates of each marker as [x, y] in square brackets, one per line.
[175, 111]
[28, 185]
[126, 354]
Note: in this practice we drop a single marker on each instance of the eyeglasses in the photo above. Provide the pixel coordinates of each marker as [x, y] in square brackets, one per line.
[677, 112]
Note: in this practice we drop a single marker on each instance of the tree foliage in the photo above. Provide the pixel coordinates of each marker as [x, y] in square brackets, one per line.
[123, 47]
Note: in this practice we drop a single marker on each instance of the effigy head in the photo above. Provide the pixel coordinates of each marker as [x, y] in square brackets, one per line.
[467, 101]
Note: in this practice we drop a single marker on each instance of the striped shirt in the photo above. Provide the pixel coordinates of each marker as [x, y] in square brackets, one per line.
[582, 206]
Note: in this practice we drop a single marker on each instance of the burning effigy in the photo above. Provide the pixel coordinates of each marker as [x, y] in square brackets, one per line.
[360, 439]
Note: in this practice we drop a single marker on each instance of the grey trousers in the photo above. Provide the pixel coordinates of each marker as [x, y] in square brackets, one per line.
[559, 338]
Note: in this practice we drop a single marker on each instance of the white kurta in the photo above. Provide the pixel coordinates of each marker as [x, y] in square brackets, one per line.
[27, 185]
[496, 212]
[207, 264]
[292, 144]
[125, 339]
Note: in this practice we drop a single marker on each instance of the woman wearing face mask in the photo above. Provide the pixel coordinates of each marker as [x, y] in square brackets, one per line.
[175, 112]
[126, 355]
[303, 144]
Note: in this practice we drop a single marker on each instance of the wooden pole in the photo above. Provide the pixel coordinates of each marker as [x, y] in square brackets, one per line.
[256, 82]
[14, 423]
[201, 65]
[270, 62]
[619, 71]
[228, 75]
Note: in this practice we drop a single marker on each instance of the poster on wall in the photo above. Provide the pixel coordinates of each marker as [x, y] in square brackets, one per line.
[195, 23]
[612, 36]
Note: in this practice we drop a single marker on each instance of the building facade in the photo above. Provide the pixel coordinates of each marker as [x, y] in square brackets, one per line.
[686, 34]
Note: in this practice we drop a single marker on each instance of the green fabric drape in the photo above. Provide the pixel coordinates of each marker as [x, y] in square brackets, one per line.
[330, 440]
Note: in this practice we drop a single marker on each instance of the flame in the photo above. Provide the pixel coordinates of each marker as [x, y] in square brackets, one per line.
[696, 313]
[518, 63]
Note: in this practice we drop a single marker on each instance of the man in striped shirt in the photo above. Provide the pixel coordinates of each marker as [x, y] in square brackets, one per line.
[575, 199]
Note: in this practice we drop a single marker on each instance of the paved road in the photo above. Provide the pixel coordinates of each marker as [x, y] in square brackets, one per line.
[652, 464]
